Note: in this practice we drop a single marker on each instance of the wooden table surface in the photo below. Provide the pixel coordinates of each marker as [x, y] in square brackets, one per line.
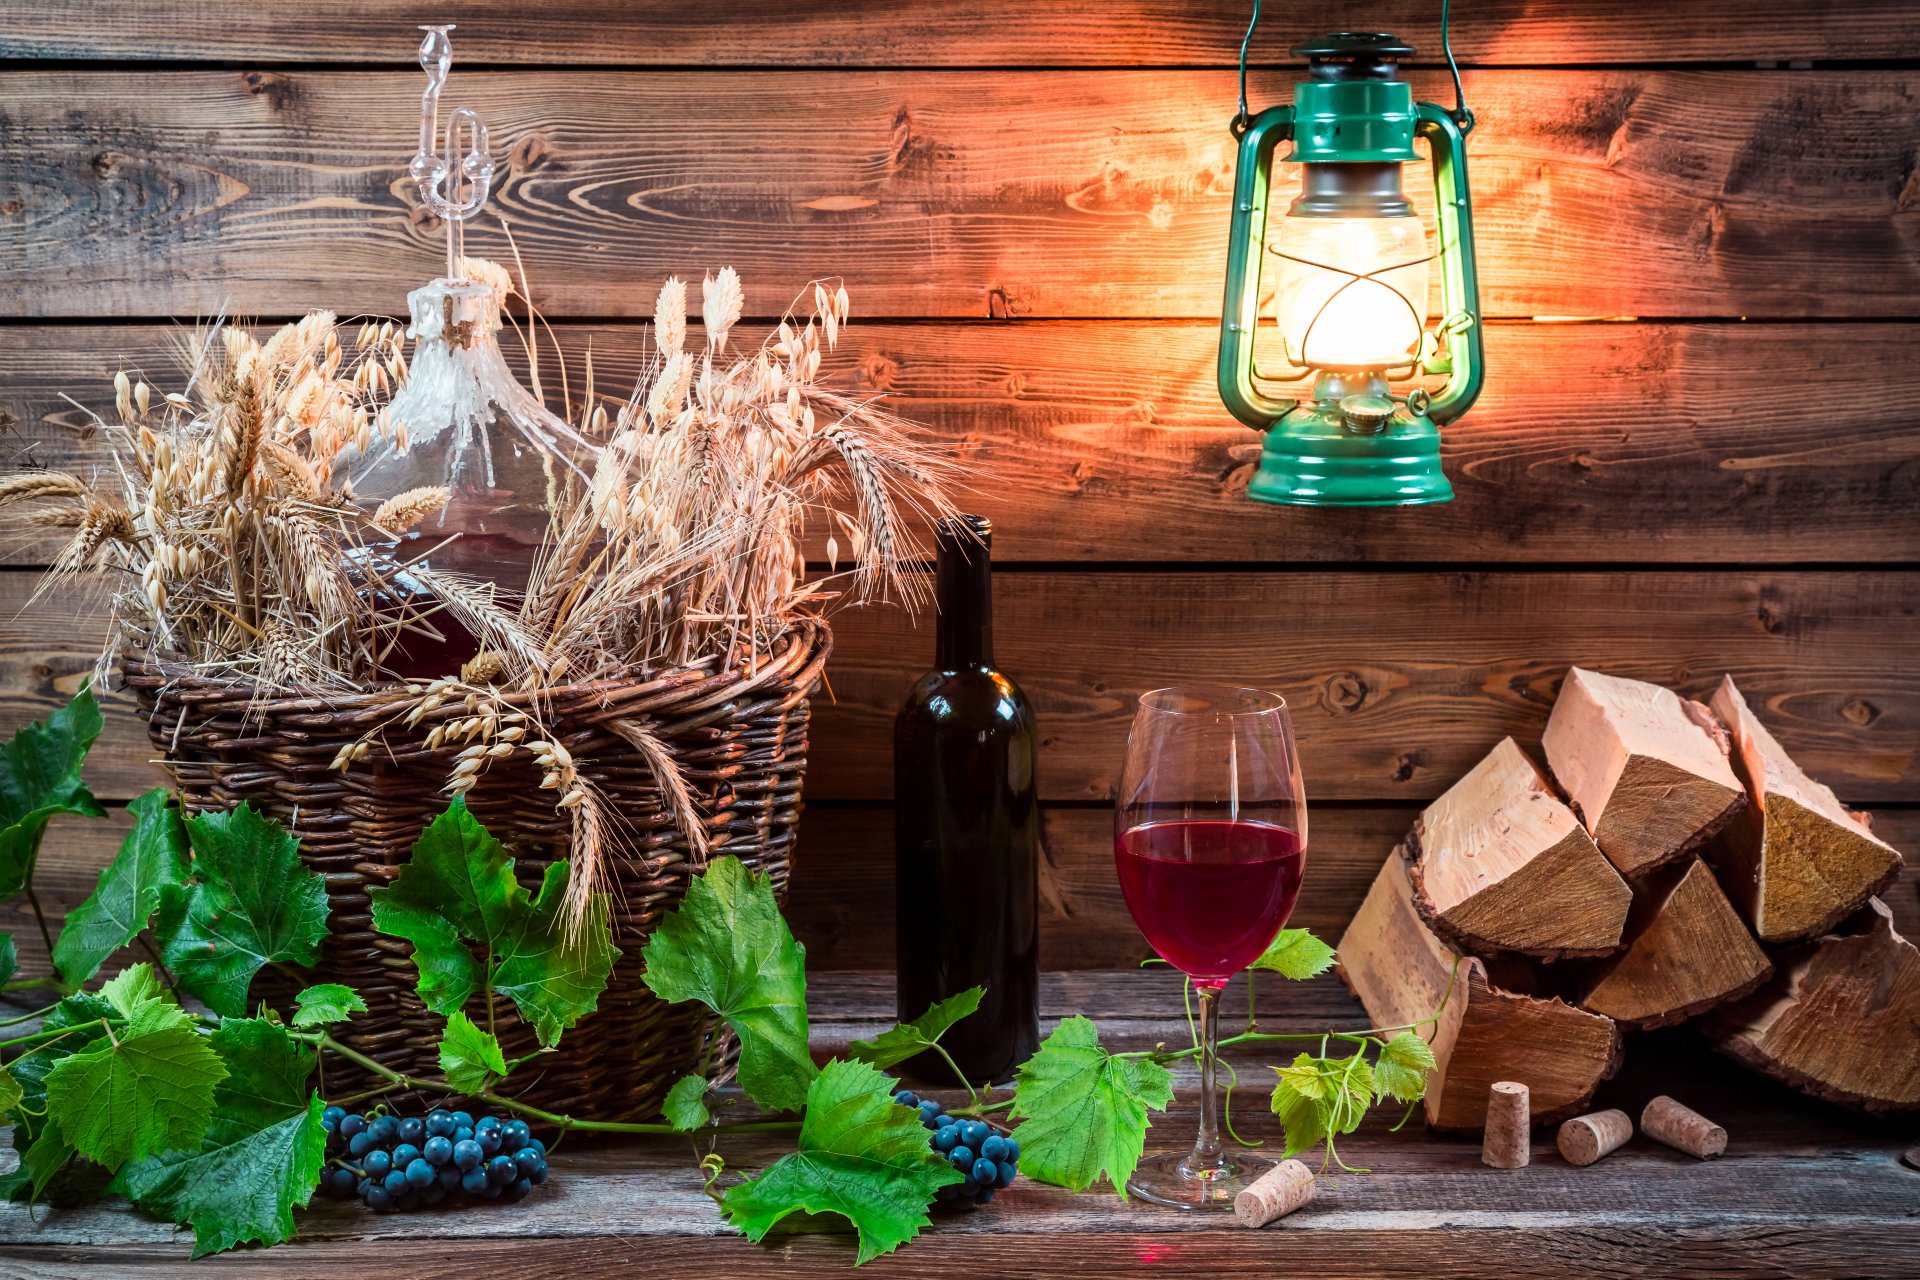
[1803, 1190]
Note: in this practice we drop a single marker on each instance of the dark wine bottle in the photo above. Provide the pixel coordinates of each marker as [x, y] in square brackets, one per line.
[967, 829]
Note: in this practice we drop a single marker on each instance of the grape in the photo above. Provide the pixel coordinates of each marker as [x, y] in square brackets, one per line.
[988, 1159]
[517, 1189]
[340, 1182]
[450, 1176]
[377, 1198]
[396, 1183]
[437, 1151]
[474, 1181]
[420, 1173]
[525, 1160]
[463, 1133]
[383, 1130]
[351, 1126]
[360, 1144]
[439, 1124]
[489, 1140]
[377, 1162]
[461, 1120]
[433, 1193]
[467, 1153]
[398, 1163]
[412, 1129]
[484, 1123]
[334, 1115]
[518, 1133]
[538, 1147]
[405, 1154]
[501, 1170]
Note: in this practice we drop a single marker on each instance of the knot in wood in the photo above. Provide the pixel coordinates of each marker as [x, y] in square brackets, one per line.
[530, 153]
[1346, 692]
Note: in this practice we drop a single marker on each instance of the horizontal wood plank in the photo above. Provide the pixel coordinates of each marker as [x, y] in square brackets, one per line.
[1107, 441]
[615, 1207]
[934, 33]
[1596, 193]
[1399, 681]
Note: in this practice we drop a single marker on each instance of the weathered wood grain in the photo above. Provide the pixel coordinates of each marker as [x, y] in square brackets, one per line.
[1107, 441]
[934, 33]
[841, 899]
[937, 193]
[1647, 1210]
[1398, 681]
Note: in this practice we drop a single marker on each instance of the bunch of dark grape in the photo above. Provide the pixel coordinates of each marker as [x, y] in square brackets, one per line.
[397, 1163]
[989, 1159]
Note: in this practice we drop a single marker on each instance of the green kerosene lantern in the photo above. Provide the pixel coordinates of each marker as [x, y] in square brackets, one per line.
[1346, 264]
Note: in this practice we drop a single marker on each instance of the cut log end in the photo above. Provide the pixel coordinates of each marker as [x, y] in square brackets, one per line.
[1688, 951]
[1839, 1021]
[1500, 863]
[1646, 775]
[1798, 862]
[1400, 970]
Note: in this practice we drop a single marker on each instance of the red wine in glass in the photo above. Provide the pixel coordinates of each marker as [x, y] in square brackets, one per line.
[1209, 895]
[1210, 837]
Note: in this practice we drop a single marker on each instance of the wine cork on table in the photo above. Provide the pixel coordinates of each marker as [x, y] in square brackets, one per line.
[1508, 1140]
[1586, 1139]
[1276, 1193]
[1682, 1128]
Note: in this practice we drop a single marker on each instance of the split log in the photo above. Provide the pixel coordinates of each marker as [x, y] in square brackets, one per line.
[1646, 770]
[1687, 951]
[1840, 1021]
[1498, 863]
[1401, 971]
[1797, 861]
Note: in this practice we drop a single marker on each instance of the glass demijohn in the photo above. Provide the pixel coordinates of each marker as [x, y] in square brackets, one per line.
[463, 420]
[1210, 836]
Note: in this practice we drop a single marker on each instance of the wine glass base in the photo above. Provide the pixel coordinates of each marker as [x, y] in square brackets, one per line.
[1167, 1180]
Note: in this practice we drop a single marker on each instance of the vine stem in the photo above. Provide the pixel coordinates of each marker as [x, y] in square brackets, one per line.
[561, 1122]
[33, 899]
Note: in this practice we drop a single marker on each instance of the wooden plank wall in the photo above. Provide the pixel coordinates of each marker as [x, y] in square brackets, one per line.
[1699, 450]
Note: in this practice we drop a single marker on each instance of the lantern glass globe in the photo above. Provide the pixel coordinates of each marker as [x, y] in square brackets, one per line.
[1352, 291]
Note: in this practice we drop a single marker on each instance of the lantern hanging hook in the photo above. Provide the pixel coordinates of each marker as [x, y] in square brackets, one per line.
[439, 175]
[1461, 116]
[1241, 120]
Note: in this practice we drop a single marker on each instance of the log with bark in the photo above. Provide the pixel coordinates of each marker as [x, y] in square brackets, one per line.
[1645, 769]
[1401, 971]
[1840, 1020]
[1499, 863]
[1796, 860]
[1687, 951]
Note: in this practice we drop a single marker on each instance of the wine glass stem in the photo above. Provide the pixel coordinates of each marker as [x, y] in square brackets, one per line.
[1206, 1158]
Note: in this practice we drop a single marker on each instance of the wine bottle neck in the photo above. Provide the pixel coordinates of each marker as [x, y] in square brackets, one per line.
[963, 582]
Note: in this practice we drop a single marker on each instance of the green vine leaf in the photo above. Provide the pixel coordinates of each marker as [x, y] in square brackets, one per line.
[9, 957]
[1401, 1070]
[1318, 1099]
[686, 1104]
[1296, 954]
[39, 778]
[43, 1151]
[727, 946]
[262, 1154]
[469, 1057]
[150, 870]
[252, 901]
[458, 892]
[325, 1004]
[147, 1090]
[10, 1094]
[897, 1044]
[1085, 1111]
[862, 1156]
[137, 986]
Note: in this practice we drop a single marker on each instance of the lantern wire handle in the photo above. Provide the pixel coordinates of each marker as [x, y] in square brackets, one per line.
[1461, 116]
[1241, 120]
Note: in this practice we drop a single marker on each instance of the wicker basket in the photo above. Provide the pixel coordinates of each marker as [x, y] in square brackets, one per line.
[739, 735]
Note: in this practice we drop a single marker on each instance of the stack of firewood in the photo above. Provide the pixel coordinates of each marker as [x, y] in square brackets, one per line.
[1682, 867]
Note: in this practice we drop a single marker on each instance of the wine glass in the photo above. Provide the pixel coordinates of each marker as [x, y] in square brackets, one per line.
[1210, 837]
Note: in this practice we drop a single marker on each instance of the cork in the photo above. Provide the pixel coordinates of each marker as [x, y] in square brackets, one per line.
[1586, 1139]
[1682, 1129]
[1507, 1144]
[1275, 1194]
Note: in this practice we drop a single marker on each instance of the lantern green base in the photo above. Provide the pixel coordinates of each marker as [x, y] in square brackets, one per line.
[1312, 458]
